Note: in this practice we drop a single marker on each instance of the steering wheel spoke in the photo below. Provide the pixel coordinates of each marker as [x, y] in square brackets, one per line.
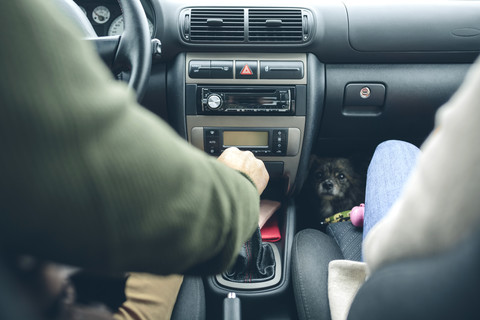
[107, 48]
[131, 49]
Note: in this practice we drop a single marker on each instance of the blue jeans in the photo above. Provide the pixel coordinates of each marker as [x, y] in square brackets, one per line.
[388, 171]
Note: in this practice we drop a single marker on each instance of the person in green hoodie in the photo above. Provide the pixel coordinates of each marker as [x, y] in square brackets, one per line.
[89, 178]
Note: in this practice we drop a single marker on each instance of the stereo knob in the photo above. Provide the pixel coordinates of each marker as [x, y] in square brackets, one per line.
[214, 101]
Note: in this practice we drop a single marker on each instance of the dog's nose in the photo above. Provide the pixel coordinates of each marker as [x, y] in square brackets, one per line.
[328, 185]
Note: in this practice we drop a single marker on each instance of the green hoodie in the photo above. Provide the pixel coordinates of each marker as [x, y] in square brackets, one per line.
[90, 178]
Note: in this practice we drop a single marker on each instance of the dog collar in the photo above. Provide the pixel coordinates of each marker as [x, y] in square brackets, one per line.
[338, 217]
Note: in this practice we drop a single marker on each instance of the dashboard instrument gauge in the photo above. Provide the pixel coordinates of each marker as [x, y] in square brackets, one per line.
[101, 14]
[117, 26]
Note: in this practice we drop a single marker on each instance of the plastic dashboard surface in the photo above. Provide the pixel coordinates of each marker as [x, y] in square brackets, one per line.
[349, 31]
[418, 72]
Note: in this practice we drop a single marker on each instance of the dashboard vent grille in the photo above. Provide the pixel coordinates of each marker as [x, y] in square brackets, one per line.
[275, 25]
[217, 25]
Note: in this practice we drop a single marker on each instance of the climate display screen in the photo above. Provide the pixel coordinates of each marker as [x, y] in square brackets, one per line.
[245, 139]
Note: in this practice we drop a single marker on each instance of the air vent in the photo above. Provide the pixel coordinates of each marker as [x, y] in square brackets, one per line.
[215, 25]
[288, 26]
[277, 25]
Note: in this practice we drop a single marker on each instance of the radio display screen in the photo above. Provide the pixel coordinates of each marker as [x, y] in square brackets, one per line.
[257, 139]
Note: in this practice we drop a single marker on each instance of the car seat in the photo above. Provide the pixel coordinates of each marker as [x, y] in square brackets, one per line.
[441, 286]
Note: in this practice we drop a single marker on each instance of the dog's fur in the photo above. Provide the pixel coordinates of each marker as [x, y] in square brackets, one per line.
[334, 185]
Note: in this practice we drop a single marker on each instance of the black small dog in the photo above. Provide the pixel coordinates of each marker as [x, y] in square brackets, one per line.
[333, 185]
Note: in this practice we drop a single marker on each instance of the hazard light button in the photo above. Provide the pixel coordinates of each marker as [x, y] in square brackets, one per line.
[246, 69]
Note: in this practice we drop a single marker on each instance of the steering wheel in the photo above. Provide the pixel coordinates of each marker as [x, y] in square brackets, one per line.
[129, 51]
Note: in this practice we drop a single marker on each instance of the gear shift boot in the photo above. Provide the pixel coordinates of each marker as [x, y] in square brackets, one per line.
[255, 262]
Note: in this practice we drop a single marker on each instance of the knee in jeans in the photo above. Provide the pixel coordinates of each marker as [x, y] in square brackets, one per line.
[389, 147]
[390, 144]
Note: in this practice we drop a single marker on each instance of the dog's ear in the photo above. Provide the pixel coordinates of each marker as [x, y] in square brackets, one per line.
[313, 159]
[360, 162]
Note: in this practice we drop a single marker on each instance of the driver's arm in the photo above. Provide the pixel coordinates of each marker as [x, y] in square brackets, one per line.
[90, 178]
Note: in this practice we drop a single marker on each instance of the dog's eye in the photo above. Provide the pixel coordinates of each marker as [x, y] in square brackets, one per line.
[318, 175]
[341, 176]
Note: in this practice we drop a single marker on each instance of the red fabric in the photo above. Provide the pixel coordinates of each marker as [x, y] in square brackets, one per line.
[270, 231]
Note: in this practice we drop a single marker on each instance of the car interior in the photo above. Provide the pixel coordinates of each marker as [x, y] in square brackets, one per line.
[285, 80]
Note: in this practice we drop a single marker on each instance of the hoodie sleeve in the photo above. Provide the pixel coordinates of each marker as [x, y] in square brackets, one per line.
[89, 177]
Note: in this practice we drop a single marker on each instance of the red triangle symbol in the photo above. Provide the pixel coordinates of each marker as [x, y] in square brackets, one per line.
[246, 71]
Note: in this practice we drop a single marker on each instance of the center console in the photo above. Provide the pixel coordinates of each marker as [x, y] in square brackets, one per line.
[256, 102]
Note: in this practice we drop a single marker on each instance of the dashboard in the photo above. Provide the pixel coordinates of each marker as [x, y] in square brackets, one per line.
[321, 54]
[337, 77]
[290, 80]
[343, 46]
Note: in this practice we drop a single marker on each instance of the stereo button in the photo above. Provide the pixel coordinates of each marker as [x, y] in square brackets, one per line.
[211, 132]
[281, 70]
[246, 69]
[212, 143]
[199, 69]
[222, 69]
[214, 101]
[280, 142]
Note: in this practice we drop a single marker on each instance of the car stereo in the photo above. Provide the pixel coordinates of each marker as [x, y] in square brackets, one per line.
[245, 100]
